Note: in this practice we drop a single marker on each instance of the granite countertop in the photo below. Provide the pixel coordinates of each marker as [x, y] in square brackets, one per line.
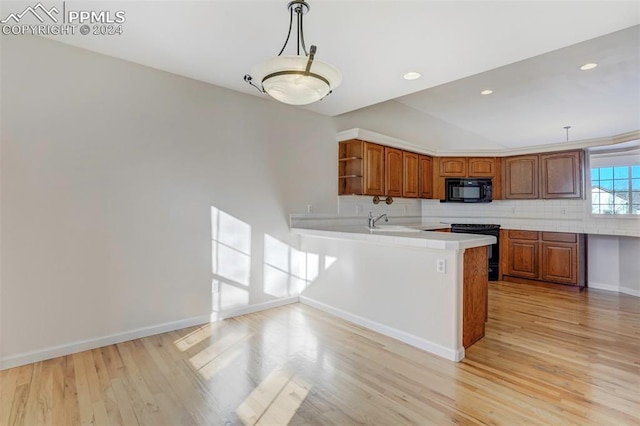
[405, 234]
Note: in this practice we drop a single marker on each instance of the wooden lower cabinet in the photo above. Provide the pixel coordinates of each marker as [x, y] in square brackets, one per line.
[546, 257]
[475, 293]
[558, 263]
[523, 258]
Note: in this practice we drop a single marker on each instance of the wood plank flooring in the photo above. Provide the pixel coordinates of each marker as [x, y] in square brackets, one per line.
[548, 357]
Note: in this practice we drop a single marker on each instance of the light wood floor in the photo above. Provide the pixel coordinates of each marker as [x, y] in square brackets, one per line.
[549, 357]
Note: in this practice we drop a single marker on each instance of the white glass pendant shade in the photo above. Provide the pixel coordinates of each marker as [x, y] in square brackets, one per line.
[283, 78]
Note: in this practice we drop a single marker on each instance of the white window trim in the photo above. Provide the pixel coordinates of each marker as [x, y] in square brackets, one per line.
[624, 158]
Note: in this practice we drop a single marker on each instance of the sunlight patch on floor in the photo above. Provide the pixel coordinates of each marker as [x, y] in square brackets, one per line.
[219, 354]
[193, 338]
[275, 400]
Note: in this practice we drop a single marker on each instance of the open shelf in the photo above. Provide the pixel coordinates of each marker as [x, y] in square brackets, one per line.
[350, 167]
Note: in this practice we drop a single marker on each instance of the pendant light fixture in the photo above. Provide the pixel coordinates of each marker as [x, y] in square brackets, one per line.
[298, 79]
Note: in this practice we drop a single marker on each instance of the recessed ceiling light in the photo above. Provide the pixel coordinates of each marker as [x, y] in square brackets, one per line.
[588, 66]
[486, 92]
[412, 75]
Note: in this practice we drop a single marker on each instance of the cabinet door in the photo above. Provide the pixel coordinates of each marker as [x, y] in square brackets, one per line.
[522, 259]
[453, 167]
[562, 174]
[482, 167]
[520, 177]
[373, 169]
[410, 171]
[393, 171]
[559, 263]
[437, 183]
[425, 177]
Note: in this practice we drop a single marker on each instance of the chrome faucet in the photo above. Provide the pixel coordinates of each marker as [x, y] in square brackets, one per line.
[372, 220]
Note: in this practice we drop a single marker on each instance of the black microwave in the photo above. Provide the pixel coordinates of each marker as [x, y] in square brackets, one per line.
[468, 190]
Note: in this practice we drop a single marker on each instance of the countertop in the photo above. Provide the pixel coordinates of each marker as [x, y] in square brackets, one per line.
[423, 237]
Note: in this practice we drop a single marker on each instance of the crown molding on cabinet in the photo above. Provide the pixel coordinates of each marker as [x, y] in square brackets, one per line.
[369, 136]
[374, 137]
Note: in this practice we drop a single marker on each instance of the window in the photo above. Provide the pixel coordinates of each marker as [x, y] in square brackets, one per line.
[615, 190]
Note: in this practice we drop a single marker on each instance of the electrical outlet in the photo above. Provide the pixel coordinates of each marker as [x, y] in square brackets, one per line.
[309, 208]
[441, 266]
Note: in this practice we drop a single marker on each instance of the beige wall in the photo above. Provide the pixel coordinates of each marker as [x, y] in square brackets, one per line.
[109, 172]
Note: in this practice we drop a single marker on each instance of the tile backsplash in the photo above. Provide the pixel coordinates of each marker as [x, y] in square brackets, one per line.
[543, 215]
[549, 215]
[361, 205]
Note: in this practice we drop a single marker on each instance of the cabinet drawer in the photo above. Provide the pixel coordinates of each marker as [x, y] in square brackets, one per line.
[562, 237]
[523, 235]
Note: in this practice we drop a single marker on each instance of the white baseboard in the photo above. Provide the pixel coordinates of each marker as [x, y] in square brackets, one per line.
[630, 291]
[603, 286]
[138, 333]
[244, 310]
[614, 288]
[410, 339]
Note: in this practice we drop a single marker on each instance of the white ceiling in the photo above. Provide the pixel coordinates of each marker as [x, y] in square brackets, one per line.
[534, 99]
[375, 42]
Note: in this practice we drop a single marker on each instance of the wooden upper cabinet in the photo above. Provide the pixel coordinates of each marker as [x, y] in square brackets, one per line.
[425, 176]
[481, 167]
[366, 168]
[350, 167]
[561, 174]
[373, 169]
[410, 185]
[520, 177]
[453, 167]
[393, 172]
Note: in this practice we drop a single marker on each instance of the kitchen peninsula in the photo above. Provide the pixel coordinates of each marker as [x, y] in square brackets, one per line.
[425, 288]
